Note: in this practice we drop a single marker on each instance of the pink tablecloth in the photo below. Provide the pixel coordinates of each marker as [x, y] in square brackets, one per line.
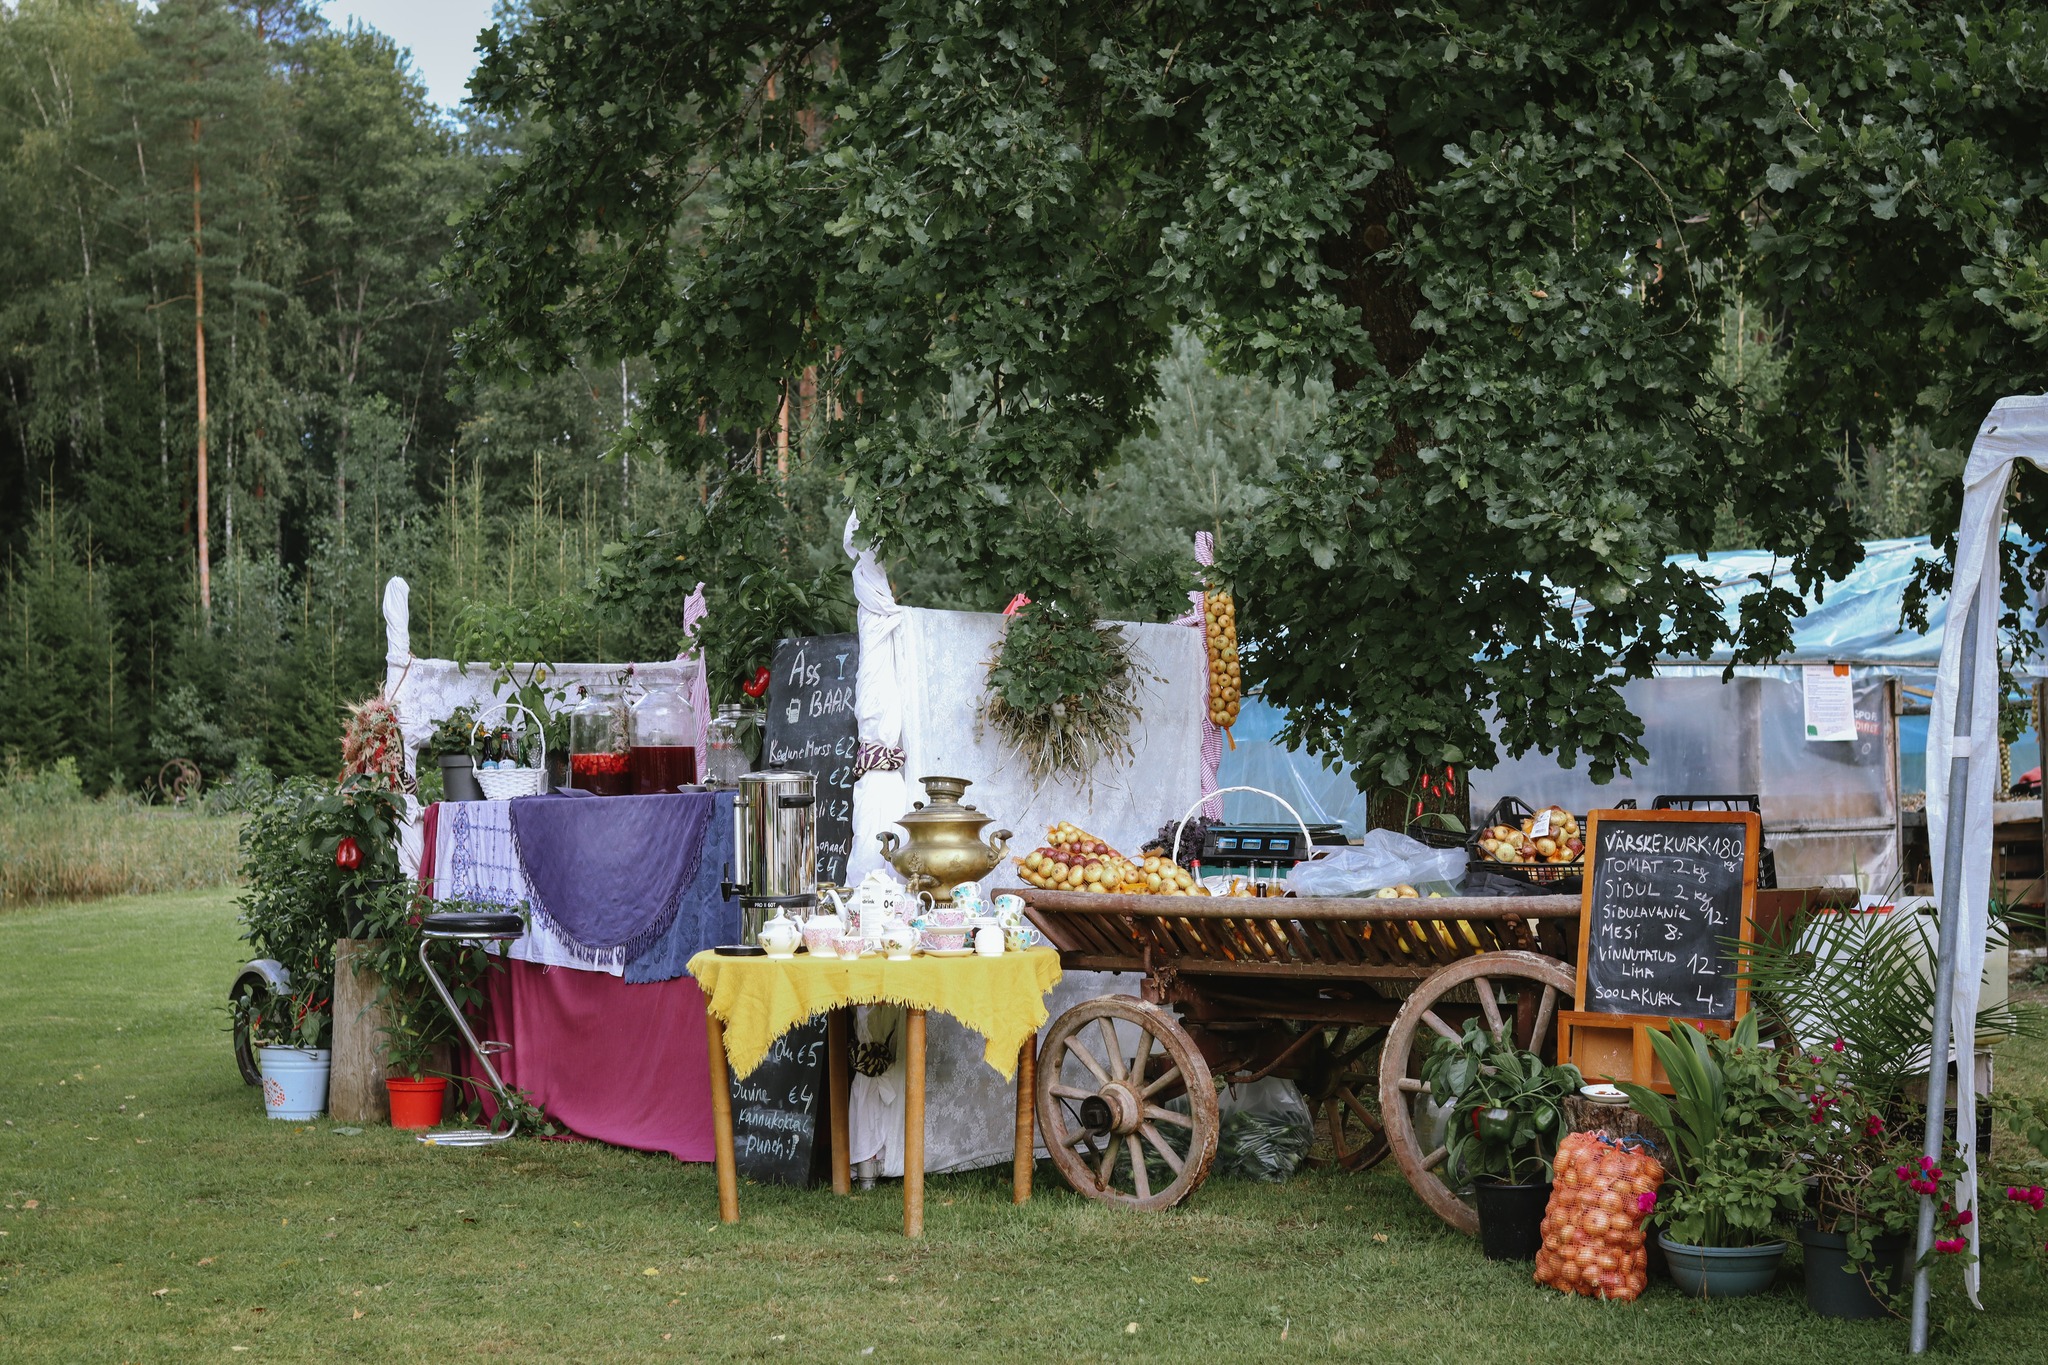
[624, 1064]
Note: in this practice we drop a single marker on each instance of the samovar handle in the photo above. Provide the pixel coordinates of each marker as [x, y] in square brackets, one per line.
[888, 840]
[1001, 845]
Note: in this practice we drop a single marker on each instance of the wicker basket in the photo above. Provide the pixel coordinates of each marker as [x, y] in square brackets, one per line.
[502, 784]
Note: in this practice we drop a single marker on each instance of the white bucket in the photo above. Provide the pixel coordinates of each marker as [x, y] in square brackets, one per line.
[294, 1081]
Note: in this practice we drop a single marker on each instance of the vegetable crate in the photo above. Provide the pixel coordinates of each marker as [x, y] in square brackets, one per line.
[1339, 994]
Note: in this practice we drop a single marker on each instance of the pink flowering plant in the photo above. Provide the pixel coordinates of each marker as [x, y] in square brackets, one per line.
[1868, 1172]
[1854, 1146]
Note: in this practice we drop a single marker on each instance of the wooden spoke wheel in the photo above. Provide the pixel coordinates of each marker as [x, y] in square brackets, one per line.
[1341, 1083]
[1515, 991]
[178, 781]
[1128, 1114]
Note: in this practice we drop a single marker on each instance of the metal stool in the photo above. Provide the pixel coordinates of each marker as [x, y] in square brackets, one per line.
[469, 928]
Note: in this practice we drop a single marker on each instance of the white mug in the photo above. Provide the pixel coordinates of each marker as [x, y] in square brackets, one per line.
[988, 941]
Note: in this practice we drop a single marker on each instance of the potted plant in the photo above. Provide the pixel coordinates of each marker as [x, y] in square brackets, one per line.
[1728, 1173]
[314, 858]
[1861, 982]
[448, 748]
[417, 1028]
[1860, 1209]
[1506, 1115]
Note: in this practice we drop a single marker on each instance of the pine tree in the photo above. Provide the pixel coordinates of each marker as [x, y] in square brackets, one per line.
[205, 203]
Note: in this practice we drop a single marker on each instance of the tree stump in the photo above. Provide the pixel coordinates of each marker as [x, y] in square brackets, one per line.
[355, 1085]
[1583, 1116]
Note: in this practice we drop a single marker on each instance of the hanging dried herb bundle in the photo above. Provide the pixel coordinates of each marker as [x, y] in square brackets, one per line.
[1062, 691]
[371, 742]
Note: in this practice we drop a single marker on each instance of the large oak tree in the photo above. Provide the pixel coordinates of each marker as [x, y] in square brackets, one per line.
[1505, 232]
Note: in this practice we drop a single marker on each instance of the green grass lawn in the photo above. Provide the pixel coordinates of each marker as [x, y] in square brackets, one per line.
[172, 1221]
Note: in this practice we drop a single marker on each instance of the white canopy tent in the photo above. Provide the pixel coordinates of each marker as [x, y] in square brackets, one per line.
[1962, 772]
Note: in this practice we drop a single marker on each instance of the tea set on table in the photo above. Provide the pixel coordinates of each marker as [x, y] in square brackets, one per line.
[883, 918]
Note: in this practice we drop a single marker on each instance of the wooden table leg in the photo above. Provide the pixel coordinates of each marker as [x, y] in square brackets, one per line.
[838, 1028]
[1027, 1089]
[721, 1122]
[913, 1123]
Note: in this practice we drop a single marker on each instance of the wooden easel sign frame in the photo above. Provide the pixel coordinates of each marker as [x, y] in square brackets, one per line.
[1646, 888]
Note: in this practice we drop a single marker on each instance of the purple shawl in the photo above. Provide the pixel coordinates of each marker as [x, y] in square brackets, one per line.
[610, 872]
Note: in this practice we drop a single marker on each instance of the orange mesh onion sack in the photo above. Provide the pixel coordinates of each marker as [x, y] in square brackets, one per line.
[1604, 1193]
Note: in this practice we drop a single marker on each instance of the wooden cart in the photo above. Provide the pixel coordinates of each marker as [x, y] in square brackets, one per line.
[1340, 995]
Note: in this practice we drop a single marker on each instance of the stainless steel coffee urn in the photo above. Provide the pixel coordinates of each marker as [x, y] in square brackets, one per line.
[775, 848]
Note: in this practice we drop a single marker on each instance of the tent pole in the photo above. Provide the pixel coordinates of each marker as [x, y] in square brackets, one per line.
[1954, 836]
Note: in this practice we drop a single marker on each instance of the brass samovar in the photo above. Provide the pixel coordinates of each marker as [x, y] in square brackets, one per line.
[945, 846]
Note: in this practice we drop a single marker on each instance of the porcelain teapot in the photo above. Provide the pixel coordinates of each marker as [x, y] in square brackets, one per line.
[868, 906]
[779, 937]
[822, 931]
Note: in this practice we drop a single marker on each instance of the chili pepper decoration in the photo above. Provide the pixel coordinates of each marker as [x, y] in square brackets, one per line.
[347, 856]
[759, 686]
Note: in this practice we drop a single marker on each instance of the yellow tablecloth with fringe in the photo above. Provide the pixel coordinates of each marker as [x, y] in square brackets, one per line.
[758, 999]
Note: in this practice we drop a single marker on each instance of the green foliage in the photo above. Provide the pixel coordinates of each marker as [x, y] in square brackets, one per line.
[1506, 1105]
[419, 1028]
[1504, 234]
[40, 788]
[1062, 691]
[63, 696]
[1728, 1175]
[301, 898]
[1866, 980]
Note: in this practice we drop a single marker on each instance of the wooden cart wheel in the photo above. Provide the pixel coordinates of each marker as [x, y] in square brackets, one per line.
[1342, 1085]
[1107, 1107]
[1516, 990]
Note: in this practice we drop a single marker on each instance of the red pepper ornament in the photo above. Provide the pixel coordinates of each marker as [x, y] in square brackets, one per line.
[759, 686]
[347, 855]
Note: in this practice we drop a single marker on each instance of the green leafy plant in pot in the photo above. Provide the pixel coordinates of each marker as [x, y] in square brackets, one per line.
[1729, 1176]
[418, 1032]
[315, 857]
[1506, 1118]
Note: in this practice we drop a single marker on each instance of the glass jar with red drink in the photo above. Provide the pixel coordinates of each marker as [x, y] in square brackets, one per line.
[665, 735]
[599, 753]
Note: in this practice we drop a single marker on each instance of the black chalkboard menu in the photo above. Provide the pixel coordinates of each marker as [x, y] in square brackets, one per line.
[776, 1106]
[1665, 893]
[812, 727]
[1662, 899]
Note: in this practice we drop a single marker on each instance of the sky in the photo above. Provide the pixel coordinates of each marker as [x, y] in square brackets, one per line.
[440, 33]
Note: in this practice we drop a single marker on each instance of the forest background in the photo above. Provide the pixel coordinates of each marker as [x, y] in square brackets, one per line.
[347, 442]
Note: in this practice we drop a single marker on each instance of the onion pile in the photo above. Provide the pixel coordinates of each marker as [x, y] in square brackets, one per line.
[1593, 1230]
[1561, 840]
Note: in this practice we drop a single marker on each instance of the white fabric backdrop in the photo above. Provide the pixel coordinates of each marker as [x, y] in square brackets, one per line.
[2017, 429]
[922, 676]
[427, 691]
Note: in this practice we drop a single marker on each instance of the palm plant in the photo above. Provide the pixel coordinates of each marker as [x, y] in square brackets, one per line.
[1868, 980]
[1726, 1174]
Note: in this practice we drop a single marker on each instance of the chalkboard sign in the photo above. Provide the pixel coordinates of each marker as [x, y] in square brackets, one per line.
[776, 1106]
[813, 728]
[1660, 900]
[1665, 893]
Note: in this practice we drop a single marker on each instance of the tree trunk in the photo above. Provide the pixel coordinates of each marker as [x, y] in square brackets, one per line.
[355, 1085]
[199, 360]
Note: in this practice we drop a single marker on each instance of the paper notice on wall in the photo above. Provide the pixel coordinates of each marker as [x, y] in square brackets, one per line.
[1830, 703]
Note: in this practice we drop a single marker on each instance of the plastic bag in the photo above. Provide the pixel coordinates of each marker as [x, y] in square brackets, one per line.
[1267, 1130]
[1381, 859]
[1605, 1191]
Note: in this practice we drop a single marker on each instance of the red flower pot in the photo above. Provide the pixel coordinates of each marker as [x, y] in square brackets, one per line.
[416, 1104]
